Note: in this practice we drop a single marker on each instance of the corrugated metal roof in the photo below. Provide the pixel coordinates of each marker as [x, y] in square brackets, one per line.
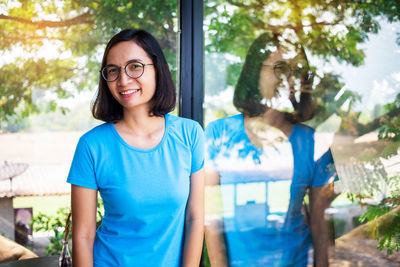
[49, 155]
[38, 180]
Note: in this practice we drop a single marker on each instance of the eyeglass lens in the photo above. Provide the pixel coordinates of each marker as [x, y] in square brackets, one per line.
[132, 69]
[282, 69]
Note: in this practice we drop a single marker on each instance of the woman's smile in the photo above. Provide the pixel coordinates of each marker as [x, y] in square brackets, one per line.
[128, 93]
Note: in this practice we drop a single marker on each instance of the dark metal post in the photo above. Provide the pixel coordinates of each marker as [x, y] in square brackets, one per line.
[191, 78]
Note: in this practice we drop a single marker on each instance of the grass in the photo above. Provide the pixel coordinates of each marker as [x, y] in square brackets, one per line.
[46, 204]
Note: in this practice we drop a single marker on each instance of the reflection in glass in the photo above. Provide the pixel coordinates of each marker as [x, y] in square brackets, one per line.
[350, 53]
[271, 160]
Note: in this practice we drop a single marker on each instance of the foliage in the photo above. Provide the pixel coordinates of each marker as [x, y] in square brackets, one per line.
[390, 238]
[373, 181]
[390, 128]
[15, 124]
[386, 231]
[384, 217]
[18, 82]
[77, 32]
[325, 28]
[356, 221]
[329, 30]
[55, 225]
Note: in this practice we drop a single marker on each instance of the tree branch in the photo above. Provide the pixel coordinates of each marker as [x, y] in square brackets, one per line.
[85, 18]
[296, 28]
[376, 123]
[19, 38]
[240, 4]
[32, 37]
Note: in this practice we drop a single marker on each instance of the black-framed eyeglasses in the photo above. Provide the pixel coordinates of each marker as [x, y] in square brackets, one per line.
[282, 68]
[133, 69]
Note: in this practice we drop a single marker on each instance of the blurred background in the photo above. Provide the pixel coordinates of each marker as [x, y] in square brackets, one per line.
[50, 53]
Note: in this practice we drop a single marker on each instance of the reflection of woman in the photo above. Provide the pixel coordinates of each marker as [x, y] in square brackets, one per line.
[266, 161]
[146, 164]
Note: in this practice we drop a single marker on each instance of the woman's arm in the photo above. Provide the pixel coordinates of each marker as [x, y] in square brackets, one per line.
[194, 221]
[84, 206]
[215, 243]
[320, 199]
[214, 227]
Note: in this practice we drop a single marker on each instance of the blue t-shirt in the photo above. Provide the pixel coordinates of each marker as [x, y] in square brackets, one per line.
[145, 191]
[263, 191]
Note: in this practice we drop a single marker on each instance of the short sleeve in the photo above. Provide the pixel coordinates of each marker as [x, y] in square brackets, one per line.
[82, 168]
[324, 172]
[197, 148]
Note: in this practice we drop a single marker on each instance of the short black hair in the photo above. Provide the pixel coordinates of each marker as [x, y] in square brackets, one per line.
[247, 97]
[107, 109]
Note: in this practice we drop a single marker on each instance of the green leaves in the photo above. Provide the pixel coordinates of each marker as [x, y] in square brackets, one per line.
[76, 28]
[384, 223]
[325, 28]
[375, 211]
[55, 226]
[19, 81]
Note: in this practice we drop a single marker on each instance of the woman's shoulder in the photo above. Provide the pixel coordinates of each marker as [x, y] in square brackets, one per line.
[230, 124]
[302, 133]
[182, 123]
[304, 129]
[96, 132]
[184, 130]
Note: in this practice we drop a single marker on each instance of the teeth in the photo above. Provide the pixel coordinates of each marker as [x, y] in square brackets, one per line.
[129, 92]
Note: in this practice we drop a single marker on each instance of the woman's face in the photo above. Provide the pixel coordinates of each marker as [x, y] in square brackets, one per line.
[268, 83]
[129, 92]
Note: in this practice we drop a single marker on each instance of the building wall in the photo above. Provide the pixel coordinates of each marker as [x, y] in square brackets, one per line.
[6, 218]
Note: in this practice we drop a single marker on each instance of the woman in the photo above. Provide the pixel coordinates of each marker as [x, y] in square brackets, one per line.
[146, 164]
[266, 161]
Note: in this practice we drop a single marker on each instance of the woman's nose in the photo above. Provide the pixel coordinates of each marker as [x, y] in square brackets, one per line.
[124, 78]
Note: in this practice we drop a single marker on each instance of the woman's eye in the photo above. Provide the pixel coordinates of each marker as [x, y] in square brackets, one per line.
[112, 70]
[135, 66]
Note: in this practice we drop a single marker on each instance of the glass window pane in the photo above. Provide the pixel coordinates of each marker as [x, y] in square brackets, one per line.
[301, 106]
[51, 54]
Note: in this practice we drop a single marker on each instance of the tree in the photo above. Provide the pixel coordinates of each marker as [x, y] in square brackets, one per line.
[325, 29]
[79, 30]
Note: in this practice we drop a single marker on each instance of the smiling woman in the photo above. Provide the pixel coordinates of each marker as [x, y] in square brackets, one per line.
[146, 164]
[140, 51]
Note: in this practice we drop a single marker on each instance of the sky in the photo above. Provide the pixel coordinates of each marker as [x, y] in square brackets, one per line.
[378, 80]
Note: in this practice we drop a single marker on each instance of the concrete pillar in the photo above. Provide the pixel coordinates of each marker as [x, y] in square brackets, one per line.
[6, 218]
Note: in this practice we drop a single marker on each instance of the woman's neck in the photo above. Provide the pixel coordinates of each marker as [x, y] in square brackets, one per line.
[270, 119]
[141, 130]
[141, 123]
[277, 120]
